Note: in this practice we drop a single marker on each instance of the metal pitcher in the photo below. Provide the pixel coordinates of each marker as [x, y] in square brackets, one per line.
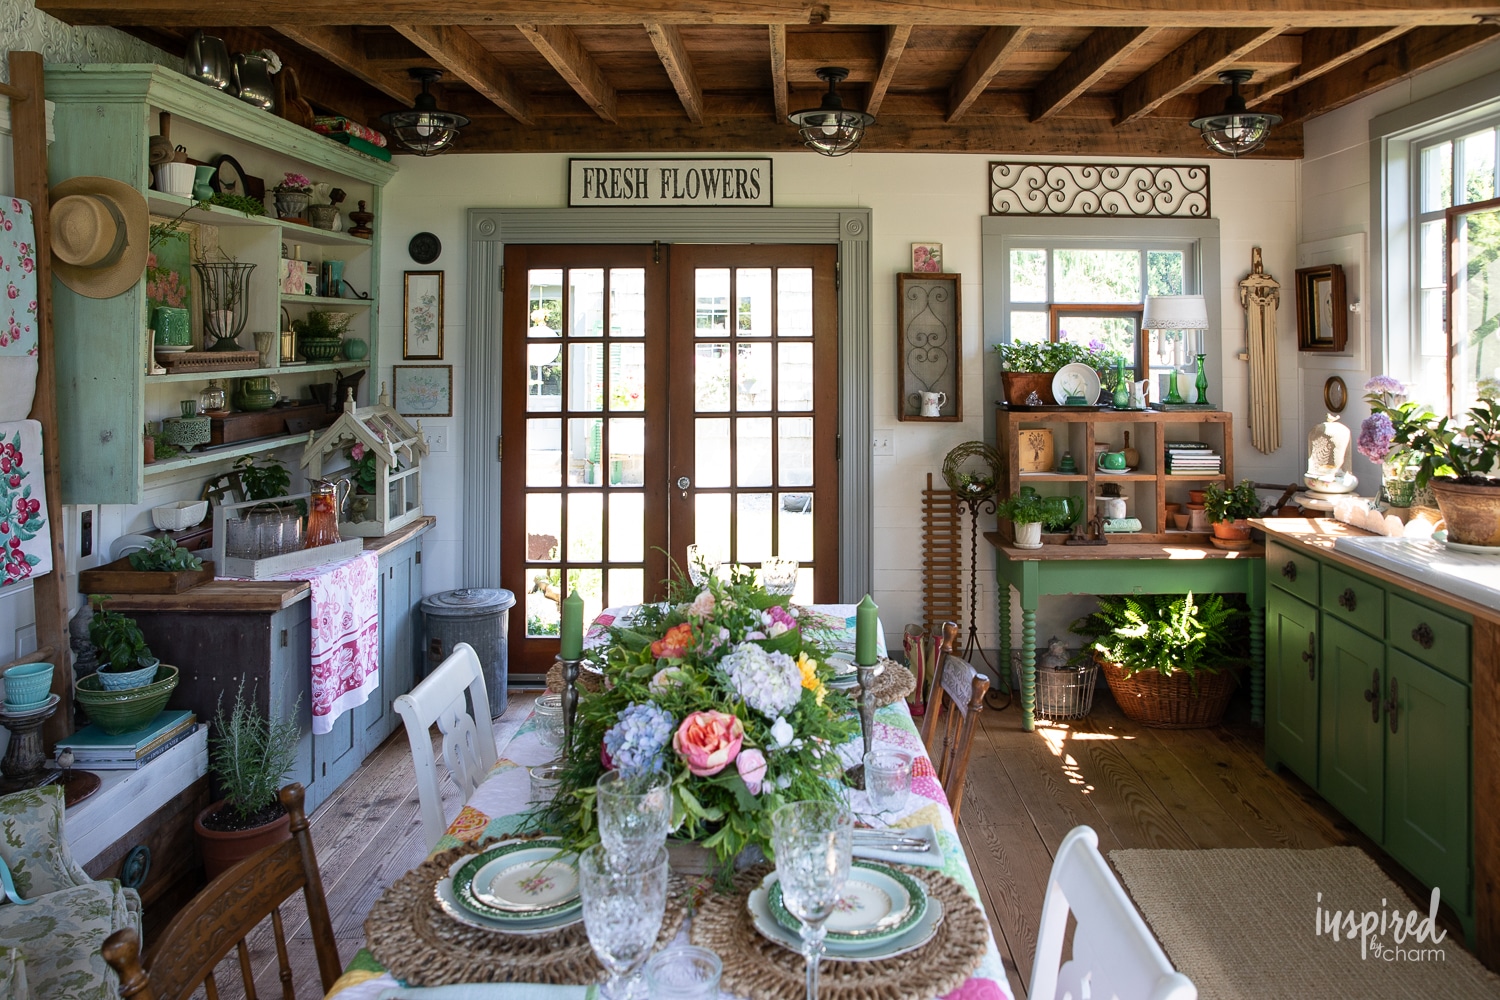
[252, 80]
[208, 60]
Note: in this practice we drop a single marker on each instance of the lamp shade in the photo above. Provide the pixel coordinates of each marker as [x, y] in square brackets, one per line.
[1236, 131]
[423, 128]
[831, 128]
[1175, 312]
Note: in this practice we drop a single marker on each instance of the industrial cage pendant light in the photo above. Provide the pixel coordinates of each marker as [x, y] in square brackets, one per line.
[423, 128]
[1236, 131]
[830, 128]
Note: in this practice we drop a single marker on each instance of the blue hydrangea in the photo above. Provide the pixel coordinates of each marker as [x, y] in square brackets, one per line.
[635, 743]
[770, 683]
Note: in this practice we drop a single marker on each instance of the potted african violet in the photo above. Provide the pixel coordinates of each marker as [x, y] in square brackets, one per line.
[125, 661]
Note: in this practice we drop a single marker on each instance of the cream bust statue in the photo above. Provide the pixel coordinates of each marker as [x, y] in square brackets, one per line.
[1329, 459]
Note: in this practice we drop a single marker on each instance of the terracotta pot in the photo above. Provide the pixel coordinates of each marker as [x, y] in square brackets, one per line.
[1019, 385]
[1237, 530]
[222, 850]
[1180, 521]
[1472, 512]
[1196, 497]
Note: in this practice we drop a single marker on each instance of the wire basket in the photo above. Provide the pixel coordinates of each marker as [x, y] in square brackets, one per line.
[1067, 693]
[225, 295]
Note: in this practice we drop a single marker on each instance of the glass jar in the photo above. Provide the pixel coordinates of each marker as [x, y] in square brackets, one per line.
[212, 398]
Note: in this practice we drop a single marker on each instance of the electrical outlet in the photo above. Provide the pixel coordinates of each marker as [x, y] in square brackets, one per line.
[437, 438]
[86, 535]
[882, 444]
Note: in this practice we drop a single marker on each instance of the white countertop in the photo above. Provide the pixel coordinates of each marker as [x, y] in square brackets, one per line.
[127, 797]
[1463, 574]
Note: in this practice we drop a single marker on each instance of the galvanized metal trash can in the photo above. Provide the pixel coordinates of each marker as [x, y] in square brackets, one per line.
[479, 617]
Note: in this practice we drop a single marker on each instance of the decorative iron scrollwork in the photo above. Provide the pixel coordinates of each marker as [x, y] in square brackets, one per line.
[1126, 190]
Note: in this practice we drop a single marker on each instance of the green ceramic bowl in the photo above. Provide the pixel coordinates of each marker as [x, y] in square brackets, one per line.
[316, 349]
[121, 711]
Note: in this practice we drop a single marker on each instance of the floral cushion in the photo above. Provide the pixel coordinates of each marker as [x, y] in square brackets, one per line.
[13, 974]
[32, 843]
[60, 936]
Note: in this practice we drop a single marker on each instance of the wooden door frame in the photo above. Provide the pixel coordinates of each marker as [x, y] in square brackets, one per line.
[489, 229]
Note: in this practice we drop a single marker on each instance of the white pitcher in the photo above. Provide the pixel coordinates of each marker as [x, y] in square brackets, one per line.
[930, 404]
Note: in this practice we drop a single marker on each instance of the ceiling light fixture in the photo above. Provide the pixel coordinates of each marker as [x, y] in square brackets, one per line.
[424, 129]
[1235, 131]
[830, 128]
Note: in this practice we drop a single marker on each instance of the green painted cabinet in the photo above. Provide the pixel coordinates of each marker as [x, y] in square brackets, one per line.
[1351, 758]
[1291, 684]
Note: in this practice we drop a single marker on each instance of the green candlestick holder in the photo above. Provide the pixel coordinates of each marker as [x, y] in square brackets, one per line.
[1173, 395]
[1202, 383]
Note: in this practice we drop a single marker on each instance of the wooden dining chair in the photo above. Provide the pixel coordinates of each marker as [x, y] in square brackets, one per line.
[468, 739]
[957, 692]
[1114, 953]
[218, 920]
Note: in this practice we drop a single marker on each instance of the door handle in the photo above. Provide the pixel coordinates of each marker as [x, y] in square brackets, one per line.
[1392, 706]
[1373, 696]
[1290, 570]
[1310, 656]
[1347, 599]
[683, 484]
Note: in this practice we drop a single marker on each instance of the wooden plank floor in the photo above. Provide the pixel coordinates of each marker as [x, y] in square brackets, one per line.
[1136, 787]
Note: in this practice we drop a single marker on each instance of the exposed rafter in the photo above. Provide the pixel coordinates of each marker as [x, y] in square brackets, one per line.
[340, 47]
[896, 37]
[674, 59]
[471, 62]
[997, 45]
[1096, 56]
[1323, 49]
[1199, 58]
[778, 71]
[560, 47]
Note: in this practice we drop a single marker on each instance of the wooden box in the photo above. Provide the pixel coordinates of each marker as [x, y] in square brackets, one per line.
[118, 578]
[298, 419]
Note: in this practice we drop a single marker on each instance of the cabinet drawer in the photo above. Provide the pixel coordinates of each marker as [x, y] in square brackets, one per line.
[1358, 602]
[1292, 571]
[1430, 636]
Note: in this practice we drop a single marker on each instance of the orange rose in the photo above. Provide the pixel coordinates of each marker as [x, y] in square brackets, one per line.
[675, 644]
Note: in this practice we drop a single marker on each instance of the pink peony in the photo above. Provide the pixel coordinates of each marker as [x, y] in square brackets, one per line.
[709, 741]
[752, 767]
[357, 452]
[702, 606]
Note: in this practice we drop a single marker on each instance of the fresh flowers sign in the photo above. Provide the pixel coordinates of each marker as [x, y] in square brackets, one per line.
[724, 689]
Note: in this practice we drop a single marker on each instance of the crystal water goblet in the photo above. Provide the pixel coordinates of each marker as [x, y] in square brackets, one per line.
[624, 900]
[813, 842]
[702, 563]
[634, 812]
[887, 779]
[778, 575]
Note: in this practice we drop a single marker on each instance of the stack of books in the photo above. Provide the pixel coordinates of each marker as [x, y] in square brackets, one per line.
[1192, 458]
[96, 750]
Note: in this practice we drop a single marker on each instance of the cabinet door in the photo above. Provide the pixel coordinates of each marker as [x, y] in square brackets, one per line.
[1351, 758]
[1427, 776]
[290, 690]
[1291, 685]
[372, 719]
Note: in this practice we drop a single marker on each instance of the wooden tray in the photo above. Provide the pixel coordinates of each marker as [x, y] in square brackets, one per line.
[118, 578]
[297, 419]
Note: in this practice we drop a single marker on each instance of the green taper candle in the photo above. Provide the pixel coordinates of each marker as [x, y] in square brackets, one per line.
[866, 622]
[572, 627]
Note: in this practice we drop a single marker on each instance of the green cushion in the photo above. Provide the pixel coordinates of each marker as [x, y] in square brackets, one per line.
[32, 842]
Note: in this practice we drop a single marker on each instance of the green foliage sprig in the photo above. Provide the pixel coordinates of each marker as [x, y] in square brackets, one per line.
[239, 203]
[1164, 632]
[1035, 357]
[251, 754]
[1023, 508]
[1231, 503]
[117, 637]
[164, 555]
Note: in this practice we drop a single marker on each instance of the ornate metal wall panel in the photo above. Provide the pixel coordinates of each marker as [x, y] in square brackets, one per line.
[1125, 190]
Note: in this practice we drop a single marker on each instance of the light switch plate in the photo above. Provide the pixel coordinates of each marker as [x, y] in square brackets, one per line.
[437, 438]
[882, 444]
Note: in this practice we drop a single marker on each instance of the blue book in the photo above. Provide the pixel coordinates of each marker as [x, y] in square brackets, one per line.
[95, 741]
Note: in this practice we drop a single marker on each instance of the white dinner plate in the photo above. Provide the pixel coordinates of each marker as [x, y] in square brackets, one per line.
[760, 915]
[876, 904]
[443, 891]
[1077, 379]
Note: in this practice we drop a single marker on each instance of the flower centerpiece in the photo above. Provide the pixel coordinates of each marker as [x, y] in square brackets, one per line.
[724, 688]
[1386, 436]
[1027, 366]
[293, 195]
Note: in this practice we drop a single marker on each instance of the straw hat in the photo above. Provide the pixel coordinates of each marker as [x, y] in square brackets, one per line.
[100, 229]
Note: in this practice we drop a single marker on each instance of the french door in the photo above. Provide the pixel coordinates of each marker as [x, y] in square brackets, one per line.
[655, 397]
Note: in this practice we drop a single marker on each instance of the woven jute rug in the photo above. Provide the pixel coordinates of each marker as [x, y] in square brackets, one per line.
[1245, 924]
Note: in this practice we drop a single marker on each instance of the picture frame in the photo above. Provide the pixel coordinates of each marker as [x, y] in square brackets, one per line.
[423, 390]
[422, 316]
[929, 347]
[927, 258]
[1322, 309]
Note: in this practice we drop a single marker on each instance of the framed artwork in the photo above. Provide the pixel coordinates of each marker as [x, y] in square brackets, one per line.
[169, 265]
[422, 316]
[929, 347]
[423, 390]
[1322, 309]
[927, 258]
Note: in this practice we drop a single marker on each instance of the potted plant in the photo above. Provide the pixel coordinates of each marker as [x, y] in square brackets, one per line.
[1227, 508]
[293, 195]
[249, 756]
[1168, 658]
[1026, 511]
[1028, 366]
[125, 661]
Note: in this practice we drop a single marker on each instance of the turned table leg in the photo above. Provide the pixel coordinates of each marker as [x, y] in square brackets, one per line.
[1028, 668]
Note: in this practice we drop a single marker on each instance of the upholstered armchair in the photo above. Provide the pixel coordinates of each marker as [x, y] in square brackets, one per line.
[49, 946]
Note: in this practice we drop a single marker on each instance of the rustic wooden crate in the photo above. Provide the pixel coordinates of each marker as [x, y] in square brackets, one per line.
[118, 578]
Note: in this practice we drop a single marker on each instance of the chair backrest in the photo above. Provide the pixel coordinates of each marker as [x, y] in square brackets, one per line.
[957, 693]
[468, 740]
[1114, 952]
[218, 919]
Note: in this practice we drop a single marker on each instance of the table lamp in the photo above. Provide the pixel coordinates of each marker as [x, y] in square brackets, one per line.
[1177, 313]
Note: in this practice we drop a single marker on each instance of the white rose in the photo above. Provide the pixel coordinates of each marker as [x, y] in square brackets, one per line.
[781, 733]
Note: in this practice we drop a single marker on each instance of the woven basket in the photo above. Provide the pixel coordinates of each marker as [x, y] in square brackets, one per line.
[118, 712]
[1172, 701]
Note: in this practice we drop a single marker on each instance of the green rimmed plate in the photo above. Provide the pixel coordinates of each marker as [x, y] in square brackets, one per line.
[521, 882]
[443, 891]
[877, 904]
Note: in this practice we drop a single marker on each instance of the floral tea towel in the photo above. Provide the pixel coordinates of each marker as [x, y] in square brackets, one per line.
[345, 635]
[18, 308]
[25, 535]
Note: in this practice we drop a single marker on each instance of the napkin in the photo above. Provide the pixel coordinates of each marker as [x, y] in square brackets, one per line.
[25, 535]
[491, 991]
[930, 858]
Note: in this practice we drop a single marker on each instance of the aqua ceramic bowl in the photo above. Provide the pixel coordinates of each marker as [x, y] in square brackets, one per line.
[112, 680]
[27, 685]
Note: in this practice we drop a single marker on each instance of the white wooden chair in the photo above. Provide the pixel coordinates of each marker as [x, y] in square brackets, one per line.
[468, 740]
[1115, 956]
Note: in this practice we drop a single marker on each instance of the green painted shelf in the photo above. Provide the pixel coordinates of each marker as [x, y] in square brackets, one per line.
[324, 300]
[195, 458]
[322, 366]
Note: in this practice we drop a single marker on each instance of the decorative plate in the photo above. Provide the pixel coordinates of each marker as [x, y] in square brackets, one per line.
[523, 881]
[25, 713]
[424, 248]
[877, 904]
[760, 915]
[443, 891]
[1076, 381]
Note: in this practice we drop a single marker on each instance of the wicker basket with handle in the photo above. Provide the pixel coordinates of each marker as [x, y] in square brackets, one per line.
[1171, 701]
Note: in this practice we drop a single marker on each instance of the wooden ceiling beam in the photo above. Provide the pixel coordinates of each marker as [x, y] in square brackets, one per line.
[1323, 49]
[1085, 66]
[997, 45]
[1026, 13]
[1200, 57]
[1408, 55]
[561, 47]
[674, 59]
[778, 71]
[896, 37]
[460, 54]
[340, 47]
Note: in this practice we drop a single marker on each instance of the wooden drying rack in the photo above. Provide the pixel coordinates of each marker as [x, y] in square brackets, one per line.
[28, 115]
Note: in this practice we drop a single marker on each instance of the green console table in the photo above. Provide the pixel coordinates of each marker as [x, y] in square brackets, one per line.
[1124, 568]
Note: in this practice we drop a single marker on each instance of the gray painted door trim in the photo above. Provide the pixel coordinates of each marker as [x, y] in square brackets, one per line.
[490, 229]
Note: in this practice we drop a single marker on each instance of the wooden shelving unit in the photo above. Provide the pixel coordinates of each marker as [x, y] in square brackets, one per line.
[1147, 489]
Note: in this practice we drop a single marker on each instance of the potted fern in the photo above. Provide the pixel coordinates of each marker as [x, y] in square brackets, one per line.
[1228, 507]
[249, 757]
[1168, 658]
[1026, 511]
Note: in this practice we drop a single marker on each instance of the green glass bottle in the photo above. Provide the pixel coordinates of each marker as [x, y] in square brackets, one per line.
[1122, 387]
[1202, 383]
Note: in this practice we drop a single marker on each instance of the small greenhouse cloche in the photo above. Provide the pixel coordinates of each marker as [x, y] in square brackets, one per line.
[381, 452]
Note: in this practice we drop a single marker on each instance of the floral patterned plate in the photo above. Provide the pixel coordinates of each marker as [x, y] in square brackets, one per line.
[877, 904]
[523, 880]
[449, 904]
[916, 937]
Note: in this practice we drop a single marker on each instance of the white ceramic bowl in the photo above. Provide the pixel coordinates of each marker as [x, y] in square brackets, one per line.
[180, 515]
[176, 178]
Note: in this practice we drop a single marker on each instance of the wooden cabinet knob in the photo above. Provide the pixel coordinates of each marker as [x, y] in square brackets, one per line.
[1347, 599]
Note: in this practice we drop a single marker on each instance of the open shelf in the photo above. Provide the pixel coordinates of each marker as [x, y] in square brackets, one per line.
[321, 366]
[1054, 477]
[222, 453]
[172, 205]
[324, 300]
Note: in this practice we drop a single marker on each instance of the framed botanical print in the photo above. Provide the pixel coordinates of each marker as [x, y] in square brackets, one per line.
[1322, 309]
[422, 316]
[423, 390]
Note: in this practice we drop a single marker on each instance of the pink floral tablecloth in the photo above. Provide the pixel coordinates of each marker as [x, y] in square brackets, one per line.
[345, 635]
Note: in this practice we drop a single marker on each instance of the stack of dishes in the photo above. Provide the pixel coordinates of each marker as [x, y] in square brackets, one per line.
[526, 887]
[845, 675]
[883, 913]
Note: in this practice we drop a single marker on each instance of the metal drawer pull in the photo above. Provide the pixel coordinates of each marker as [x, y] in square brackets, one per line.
[1393, 706]
[1347, 599]
[1290, 570]
[1422, 635]
[1310, 656]
[1373, 696]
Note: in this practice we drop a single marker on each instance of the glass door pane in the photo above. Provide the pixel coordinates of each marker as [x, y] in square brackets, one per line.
[1474, 304]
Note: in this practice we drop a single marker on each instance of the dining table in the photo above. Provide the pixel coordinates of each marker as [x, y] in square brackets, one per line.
[498, 809]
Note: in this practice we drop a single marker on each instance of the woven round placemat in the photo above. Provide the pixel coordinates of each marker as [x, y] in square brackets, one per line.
[763, 970]
[588, 680]
[891, 685]
[408, 932]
